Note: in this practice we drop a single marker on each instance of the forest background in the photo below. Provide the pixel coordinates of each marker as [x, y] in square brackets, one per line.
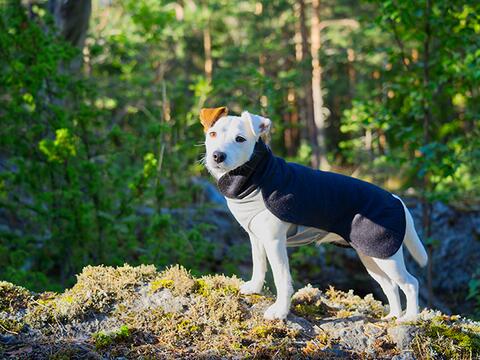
[100, 141]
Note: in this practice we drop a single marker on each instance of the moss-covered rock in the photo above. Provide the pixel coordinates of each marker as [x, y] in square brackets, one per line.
[448, 336]
[104, 340]
[12, 297]
[138, 312]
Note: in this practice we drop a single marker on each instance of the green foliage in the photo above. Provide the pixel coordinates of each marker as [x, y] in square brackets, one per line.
[428, 68]
[474, 291]
[440, 337]
[103, 340]
[96, 161]
[90, 165]
[60, 149]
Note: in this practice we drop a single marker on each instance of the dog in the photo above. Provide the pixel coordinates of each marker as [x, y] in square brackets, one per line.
[283, 204]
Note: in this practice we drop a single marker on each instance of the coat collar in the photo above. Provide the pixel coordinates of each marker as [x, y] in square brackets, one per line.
[243, 180]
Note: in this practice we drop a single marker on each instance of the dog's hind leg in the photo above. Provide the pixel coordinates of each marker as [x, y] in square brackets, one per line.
[394, 268]
[389, 287]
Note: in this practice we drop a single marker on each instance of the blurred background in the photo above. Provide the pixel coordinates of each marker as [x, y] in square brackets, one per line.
[100, 141]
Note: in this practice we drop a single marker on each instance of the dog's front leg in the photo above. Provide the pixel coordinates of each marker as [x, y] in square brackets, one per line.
[272, 233]
[259, 258]
[277, 256]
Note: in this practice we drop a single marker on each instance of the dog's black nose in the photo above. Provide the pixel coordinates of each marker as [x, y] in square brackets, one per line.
[219, 156]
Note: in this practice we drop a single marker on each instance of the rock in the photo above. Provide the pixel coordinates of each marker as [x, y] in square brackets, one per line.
[8, 340]
[300, 324]
[408, 355]
[209, 192]
[402, 335]
[137, 312]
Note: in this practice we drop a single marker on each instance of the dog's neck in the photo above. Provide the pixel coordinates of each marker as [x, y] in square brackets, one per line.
[242, 180]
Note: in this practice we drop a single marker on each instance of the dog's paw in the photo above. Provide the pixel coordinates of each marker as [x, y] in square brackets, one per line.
[407, 318]
[276, 311]
[251, 287]
[390, 316]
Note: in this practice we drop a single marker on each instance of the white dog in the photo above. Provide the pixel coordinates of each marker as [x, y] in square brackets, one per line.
[282, 204]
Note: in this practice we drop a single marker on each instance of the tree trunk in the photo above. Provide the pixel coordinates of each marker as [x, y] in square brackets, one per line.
[426, 206]
[320, 158]
[207, 48]
[305, 101]
[291, 133]
[72, 18]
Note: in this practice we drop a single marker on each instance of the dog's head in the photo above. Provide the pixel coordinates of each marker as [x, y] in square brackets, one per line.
[230, 140]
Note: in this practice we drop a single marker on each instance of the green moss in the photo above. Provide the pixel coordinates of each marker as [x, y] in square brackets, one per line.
[12, 297]
[42, 311]
[186, 327]
[256, 298]
[161, 284]
[67, 299]
[201, 288]
[218, 284]
[229, 290]
[10, 326]
[466, 340]
[448, 339]
[310, 311]
[103, 340]
[318, 344]
[264, 331]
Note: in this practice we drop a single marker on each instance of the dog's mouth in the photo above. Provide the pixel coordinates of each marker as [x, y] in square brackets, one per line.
[216, 166]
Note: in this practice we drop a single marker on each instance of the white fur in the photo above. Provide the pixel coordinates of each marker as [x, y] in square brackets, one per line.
[268, 233]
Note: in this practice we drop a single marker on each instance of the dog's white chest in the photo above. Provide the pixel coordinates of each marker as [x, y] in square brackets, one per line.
[244, 210]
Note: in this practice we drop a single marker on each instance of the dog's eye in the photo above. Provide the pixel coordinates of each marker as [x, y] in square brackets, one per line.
[240, 139]
[212, 134]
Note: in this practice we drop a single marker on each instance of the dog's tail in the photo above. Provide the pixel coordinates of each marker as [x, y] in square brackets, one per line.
[412, 241]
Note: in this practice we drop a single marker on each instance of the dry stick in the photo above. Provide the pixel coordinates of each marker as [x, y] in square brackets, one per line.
[8, 331]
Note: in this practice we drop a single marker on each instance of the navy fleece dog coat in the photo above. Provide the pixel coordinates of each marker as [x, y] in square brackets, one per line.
[369, 218]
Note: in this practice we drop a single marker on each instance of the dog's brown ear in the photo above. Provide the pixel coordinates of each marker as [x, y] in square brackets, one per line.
[208, 116]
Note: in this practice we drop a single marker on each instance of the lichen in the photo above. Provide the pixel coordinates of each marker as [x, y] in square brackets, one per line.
[12, 297]
[319, 343]
[269, 330]
[96, 291]
[354, 303]
[342, 313]
[42, 310]
[161, 284]
[183, 281]
[206, 285]
[10, 326]
[447, 337]
[309, 302]
[172, 314]
[310, 311]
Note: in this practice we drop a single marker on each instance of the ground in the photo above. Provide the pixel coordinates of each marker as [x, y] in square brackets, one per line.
[139, 313]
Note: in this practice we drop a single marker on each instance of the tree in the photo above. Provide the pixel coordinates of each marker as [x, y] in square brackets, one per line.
[319, 144]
